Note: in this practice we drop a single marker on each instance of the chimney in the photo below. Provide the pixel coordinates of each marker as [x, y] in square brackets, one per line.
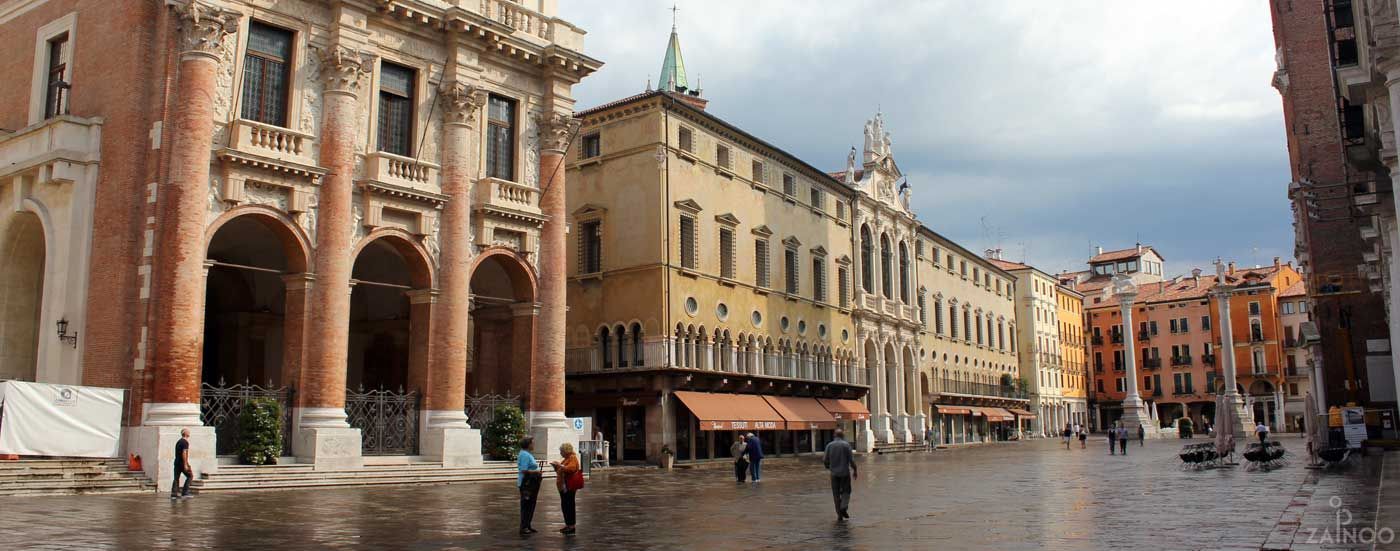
[1276, 264]
[1196, 277]
[1230, 268]
[1139, 248]
[994, 254]
[1098, 250]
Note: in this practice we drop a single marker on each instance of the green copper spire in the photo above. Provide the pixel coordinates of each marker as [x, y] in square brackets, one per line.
[673, 68]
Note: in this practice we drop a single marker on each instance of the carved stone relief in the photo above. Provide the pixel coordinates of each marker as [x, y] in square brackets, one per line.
[216, 202]
[257, 193]
[310, 122]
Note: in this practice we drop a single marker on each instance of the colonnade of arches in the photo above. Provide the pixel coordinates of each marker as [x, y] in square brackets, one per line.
[893, 256]
[693, 346]
[894, 389]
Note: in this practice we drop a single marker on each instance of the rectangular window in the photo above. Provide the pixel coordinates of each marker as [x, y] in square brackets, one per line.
[953, 322]
[1152, 327]
[687, 139]
[841, 210]
[1099, 385]
[938, 316]
[726, 252]
[976, 277]
[266, 67]
[1119, 385]
[962, 267]
[395, 109]
[1147, 382]
[1176, 383]
[1185, 326]
[500, 138]
[591, 247]
[967, 326]
[760, 263]
[937, 256]
[1189, 387]
[687, 242]
[1302, 307]
[790, 256]
[1172, 325]
[843, 283]
[722, 156]
[818, 279]
[817, 200]
[56, 88]
[789, 184]
[1253, 308]
[1288, 307]
[1205, 323]
[758, 172]
[592, 146]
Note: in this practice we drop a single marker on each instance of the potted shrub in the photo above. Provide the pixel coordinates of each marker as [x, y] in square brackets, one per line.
[260, 432]
[668, 459]
[503, 434]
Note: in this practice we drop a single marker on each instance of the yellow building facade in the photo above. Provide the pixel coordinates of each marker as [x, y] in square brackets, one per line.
[1074, 354]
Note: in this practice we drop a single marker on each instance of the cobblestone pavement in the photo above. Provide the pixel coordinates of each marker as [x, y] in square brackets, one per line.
[1033, 495]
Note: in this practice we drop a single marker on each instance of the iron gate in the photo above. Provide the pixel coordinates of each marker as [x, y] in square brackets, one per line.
[481, 410]
[220, 406]
[388, 420]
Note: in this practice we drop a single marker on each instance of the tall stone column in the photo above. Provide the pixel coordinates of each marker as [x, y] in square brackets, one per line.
[178, 326]
[323, 437]
[1233, 400]
[1134, 411]
[546, 405]
[445, 434]
[1391, 68]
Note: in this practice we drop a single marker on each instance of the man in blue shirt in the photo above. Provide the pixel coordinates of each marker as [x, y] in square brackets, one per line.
[755, 453]
[528, 481]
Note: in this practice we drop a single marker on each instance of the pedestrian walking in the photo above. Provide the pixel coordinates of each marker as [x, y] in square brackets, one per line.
[182, 467]
[1065, 435]
[736, 450]
[840, 460]
[527, 480]
[1142, 436]
[568, 478]
[1262, 431]
[1123, 440]
[1083, 440]
[1112, 439]
[754, 449]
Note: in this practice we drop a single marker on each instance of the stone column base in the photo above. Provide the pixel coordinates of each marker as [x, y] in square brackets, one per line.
[921, 423]
[881, 426]
[550, 429]
[1135, 413]
[447, 437]
[328, 448]
[901, 428]
[864, 437]
[156, 446]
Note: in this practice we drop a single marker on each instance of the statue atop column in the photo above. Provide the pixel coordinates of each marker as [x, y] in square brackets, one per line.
[851, 167]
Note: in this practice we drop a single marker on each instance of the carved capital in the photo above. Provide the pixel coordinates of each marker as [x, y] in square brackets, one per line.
[555, 129]
[203, 27]
[461, 102]
[343, 69]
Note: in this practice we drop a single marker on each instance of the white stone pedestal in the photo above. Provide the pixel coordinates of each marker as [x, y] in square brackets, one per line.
[1244, 418]
[156, 446]
[902, 429]
[550, 429]
[865, 437]
[1134, 414]
[921, 423]
[882, 427]
[322, 438]
[445, 436]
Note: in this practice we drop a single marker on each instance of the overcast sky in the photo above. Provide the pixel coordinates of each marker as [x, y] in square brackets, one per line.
[1043, 128]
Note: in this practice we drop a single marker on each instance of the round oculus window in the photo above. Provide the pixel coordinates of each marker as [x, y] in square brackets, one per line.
[722, 311]
[783, 322]
[691, 307]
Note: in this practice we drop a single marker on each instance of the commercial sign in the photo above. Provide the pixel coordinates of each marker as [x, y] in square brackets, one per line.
[1354, 426]
[742, 425]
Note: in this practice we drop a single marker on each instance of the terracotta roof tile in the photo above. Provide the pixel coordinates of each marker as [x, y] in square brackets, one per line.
[1123, 254]
[1008, 265]
[1297, 289]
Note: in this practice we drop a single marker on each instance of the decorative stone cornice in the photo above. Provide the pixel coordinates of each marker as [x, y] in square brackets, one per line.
[461, 102]
[203, 28]
[343, 68]
[555, 130]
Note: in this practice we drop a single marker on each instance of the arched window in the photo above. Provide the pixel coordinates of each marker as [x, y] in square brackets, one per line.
[605, 347]
[622, 355]
[636, 334]
[903, 273]
[867, 270]
[886, 266]
[680, 346]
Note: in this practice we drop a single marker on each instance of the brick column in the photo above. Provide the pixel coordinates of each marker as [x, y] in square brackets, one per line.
[323, 437]
[297, 288]
[546, 402]
[178, 328]
[446, 393]
[523, 360]
[322, 396]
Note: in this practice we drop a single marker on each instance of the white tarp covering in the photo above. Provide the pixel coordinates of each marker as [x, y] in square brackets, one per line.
[60, 420]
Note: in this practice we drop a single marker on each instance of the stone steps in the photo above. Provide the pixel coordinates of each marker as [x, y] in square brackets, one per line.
[31, 477]
[882, 448]
[275, 477]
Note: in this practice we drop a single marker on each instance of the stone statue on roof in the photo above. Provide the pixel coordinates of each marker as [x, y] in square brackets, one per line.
[851, 167]
[1123, 284]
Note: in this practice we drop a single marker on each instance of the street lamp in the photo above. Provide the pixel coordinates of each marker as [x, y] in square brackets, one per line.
[63, 333]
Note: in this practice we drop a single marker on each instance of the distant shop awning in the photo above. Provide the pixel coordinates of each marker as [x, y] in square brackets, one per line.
[801, 413]
[993, 414]
[845, 410]
[953, 410]
[720, 411]
[1021, 413]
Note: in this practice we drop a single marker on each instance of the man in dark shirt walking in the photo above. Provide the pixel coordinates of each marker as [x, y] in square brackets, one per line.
[754, 450]
[182, 466]
[840, 459]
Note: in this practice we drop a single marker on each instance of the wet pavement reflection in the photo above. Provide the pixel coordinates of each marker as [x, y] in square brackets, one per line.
[1033, 495]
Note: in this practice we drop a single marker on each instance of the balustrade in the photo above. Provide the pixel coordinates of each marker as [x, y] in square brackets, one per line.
[508, 195]
[402, 171]
[272, 142]
[518, 17]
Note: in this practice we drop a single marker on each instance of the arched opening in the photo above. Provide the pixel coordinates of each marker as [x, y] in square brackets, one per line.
[21, 295]
[605, 347]
[894, 395]
[867, 267]
[635, 333]
[886, 267]
[245, 304]
[381, 316]
[872, 374]
[503, 327]
[903, 273]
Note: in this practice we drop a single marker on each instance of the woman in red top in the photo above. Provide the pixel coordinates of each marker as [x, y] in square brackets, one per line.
[568, 480]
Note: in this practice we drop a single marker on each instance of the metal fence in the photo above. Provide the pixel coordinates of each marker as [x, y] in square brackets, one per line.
[388, 420]
[220, 406]
[481, 410]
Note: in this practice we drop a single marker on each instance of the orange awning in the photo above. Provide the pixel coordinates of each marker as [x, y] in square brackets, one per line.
[801, 413]
[1021, 413]
[953, 410]
[720, 411]
[993, 414]
[845, 410]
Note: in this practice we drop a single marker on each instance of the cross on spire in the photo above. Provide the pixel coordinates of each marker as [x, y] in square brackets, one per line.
[674, 9]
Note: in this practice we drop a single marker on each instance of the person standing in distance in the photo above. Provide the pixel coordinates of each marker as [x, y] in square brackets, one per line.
[182, 467]
[528, 482]
[736, 450]
[840, 459]
[755, 451]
